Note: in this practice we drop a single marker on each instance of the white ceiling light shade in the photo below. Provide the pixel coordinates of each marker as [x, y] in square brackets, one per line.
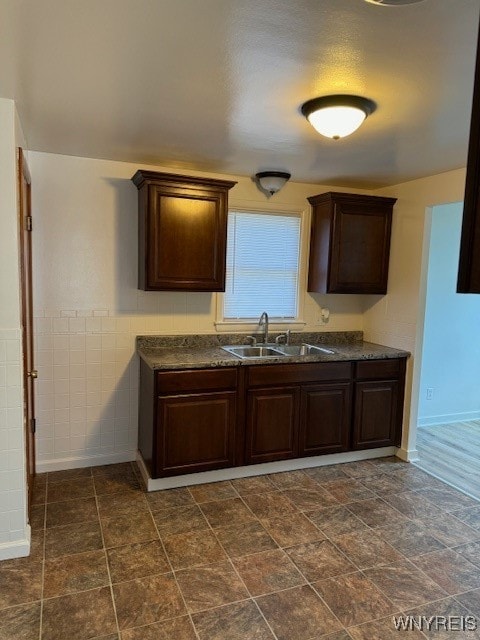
[394, 3]
[272, 181]
[337, 116]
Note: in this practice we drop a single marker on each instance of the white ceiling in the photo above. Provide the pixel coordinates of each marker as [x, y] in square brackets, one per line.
[216, 85]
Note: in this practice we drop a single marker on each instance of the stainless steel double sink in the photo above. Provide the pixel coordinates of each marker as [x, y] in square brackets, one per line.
[276, 350]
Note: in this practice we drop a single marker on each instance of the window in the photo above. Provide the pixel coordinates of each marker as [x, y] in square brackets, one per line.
[262, 265]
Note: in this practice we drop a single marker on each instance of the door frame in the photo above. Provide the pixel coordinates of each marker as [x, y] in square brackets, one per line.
[29, 374]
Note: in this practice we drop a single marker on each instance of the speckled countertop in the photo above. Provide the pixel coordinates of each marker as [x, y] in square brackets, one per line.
[202, 352]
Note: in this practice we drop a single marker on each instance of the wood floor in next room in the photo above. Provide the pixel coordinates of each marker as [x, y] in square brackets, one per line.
[452, 453]
[331, 552]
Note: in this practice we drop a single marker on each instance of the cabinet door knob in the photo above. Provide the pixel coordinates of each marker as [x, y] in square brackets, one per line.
[33, 373]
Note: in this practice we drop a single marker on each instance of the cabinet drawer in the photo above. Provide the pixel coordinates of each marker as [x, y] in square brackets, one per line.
[297, 373]
[378, 369]
[196, 380]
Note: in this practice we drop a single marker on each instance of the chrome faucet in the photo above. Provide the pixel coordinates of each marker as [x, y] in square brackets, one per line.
[264, 319]
[283, 338]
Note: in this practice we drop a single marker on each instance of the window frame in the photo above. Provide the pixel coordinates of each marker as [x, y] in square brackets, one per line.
[281, 324]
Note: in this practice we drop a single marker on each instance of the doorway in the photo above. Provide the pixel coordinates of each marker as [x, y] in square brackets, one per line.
[448, 430]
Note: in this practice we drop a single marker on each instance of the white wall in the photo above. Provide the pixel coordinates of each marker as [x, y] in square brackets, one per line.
[451, 349]
[396, 319]
[14, 532]
[89, 310]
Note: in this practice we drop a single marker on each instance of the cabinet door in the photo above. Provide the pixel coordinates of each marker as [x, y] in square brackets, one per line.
[272, 424]
[182, 231]
[325, 419]
[376, 413]
[195, 432]
[186, 240]
[361, 248]
[350, 243]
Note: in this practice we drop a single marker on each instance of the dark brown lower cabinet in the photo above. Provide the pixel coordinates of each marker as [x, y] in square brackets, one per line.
[196, 432]
[188, 420]
[378, 403]
[325, 419]
[272, 424]
[205, 419]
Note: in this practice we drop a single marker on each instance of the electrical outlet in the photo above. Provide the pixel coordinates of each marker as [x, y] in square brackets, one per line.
[322, 315]
[430, 394]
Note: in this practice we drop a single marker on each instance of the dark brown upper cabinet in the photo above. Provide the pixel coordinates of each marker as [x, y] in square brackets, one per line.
[182, 231]
[469, 265]
[350, 243]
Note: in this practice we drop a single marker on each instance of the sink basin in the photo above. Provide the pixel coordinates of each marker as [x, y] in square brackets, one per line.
[254, 352]
[267, 351]
[303, 350]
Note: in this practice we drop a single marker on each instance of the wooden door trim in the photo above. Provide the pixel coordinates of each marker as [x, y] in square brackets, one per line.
[26, 297]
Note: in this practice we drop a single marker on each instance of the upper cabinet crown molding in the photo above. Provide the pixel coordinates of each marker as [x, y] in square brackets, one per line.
[350, 243]
[182, 232]
[142, 177]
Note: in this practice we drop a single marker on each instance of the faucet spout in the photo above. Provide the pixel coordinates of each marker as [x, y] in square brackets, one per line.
[264, 320]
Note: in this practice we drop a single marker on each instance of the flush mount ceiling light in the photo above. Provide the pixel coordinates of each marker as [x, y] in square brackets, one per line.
[339, 115]
[272, 181]
[394, 3]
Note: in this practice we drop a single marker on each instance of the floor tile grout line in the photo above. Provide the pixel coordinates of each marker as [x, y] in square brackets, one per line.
[398, 612]
[40, 631]
[307, 582]
[237, 573]
[348, 559]
[177, 584]
[355, 564]
[382, 617]
[442, 508]
[385, 594]
[448, 595]
[310, 585]
[242, 501]
[423, 604]
[229, 482]
[229, 559]
[106, 559]
[372, 530]
[475, 614]
[304, 513]
[463, 524]
[319, 529]
[259, 520]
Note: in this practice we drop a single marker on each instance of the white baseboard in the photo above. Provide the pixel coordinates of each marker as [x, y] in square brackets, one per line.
[17, 548]
[84, 461]
[258, 469]
[432, 421]
[407, 455]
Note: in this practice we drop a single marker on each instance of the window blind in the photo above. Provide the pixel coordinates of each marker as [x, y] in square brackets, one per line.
[262, 265]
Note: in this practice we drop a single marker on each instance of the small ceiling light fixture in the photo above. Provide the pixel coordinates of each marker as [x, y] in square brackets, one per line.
[337, 116]
[272, 181]
[394, 3]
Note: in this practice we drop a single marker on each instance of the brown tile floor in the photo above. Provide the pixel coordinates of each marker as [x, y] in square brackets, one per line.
[331, 552]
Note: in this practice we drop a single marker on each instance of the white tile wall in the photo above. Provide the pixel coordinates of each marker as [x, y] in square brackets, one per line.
[87, 390]
[12, 455]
